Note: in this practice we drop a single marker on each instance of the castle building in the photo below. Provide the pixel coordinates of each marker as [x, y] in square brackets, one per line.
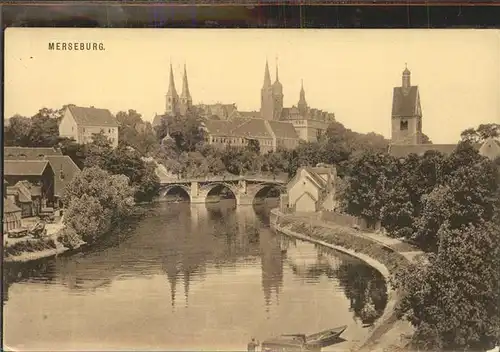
[309, 123]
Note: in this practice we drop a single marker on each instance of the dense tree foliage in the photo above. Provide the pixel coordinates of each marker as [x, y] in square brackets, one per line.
[136, 133]
[124, 160]
[452, 300]
[481, 133]
[95, 200]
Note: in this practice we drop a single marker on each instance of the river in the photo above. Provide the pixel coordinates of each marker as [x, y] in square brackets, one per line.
[188, 277]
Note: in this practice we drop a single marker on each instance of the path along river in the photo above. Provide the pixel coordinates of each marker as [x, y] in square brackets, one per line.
[188, 277]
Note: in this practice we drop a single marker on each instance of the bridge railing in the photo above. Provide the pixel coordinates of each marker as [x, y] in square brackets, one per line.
[259, 177]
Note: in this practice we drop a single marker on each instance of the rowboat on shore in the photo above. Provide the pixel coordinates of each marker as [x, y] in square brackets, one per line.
[302, 342]
[326, 337]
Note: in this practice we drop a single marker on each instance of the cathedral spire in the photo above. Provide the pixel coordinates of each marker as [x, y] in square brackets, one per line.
[171, 84]
[267, 77]
[302, 104]
[185, 85]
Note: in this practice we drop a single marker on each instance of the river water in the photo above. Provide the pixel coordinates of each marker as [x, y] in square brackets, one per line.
[189, 277]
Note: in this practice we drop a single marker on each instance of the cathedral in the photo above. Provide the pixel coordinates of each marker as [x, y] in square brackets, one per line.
[273, 126]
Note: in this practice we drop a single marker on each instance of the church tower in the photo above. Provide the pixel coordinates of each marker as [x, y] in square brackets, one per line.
[172, 98]
[186, 102]
[266, 96]
[406, 113]
[302, 104]
[277, 96]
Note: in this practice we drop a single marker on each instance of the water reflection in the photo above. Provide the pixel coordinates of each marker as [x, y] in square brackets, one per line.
[189, 274]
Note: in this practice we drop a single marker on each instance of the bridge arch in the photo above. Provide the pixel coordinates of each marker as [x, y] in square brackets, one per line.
[215, 188]
[261, 191]
[182, 190]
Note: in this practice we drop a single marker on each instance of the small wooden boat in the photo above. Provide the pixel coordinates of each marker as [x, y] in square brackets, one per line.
[325, 338]
[302, 342]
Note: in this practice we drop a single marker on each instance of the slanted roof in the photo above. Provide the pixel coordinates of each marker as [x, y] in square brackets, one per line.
[404, 102]
[24, 167]
[223, 127]
[92, 116]
[63, 166]
[315, 176]
[283, 129]
[253, 128]
[9, 206]
[21, 191]
[29, 153]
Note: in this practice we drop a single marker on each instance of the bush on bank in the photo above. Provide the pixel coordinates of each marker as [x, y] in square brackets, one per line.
[28, 246]
[95, 201]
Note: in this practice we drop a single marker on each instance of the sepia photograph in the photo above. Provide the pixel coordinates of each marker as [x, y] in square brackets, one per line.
[251, 190]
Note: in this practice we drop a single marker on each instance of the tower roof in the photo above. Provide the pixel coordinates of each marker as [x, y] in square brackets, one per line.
[185, 86]
[171, 84]
[277, 86]
[267, 77]
[302, 99]
[406, 72]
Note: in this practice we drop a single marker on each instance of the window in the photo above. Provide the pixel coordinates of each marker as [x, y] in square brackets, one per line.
[84, 130]
[109, 130]
[403, 125]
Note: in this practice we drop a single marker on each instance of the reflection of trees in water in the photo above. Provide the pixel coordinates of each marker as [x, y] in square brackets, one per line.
[167, 241]
[272, 266]
[42, 270]
[365, 288]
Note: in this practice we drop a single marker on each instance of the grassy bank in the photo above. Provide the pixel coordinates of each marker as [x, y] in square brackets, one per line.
[391, 256]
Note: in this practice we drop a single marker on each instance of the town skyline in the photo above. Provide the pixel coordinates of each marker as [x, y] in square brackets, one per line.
[459, 81]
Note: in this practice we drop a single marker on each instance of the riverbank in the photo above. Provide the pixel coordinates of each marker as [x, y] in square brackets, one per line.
[29, 249]
[385, 254]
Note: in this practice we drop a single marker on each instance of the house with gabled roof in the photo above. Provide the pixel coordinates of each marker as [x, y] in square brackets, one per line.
[81, 123]
[38, 173]
[65, 170]
[312, 189]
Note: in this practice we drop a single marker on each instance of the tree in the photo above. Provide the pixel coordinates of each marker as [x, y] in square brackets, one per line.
[17, 131]
[149, 184]
[112, 191]
[368, 180]
[452, 300]
[136, 133]
[98, 151]
[186, 131]
[88, 218]
[425, 139]
[77, 152]
[479, 135]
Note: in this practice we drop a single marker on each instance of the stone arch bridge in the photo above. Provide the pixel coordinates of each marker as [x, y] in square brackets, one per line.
[245, 188]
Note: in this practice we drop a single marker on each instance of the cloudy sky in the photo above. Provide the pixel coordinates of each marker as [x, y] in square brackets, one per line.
[348, 72]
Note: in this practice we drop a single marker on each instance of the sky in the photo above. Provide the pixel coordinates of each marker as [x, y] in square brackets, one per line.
[348, 72]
